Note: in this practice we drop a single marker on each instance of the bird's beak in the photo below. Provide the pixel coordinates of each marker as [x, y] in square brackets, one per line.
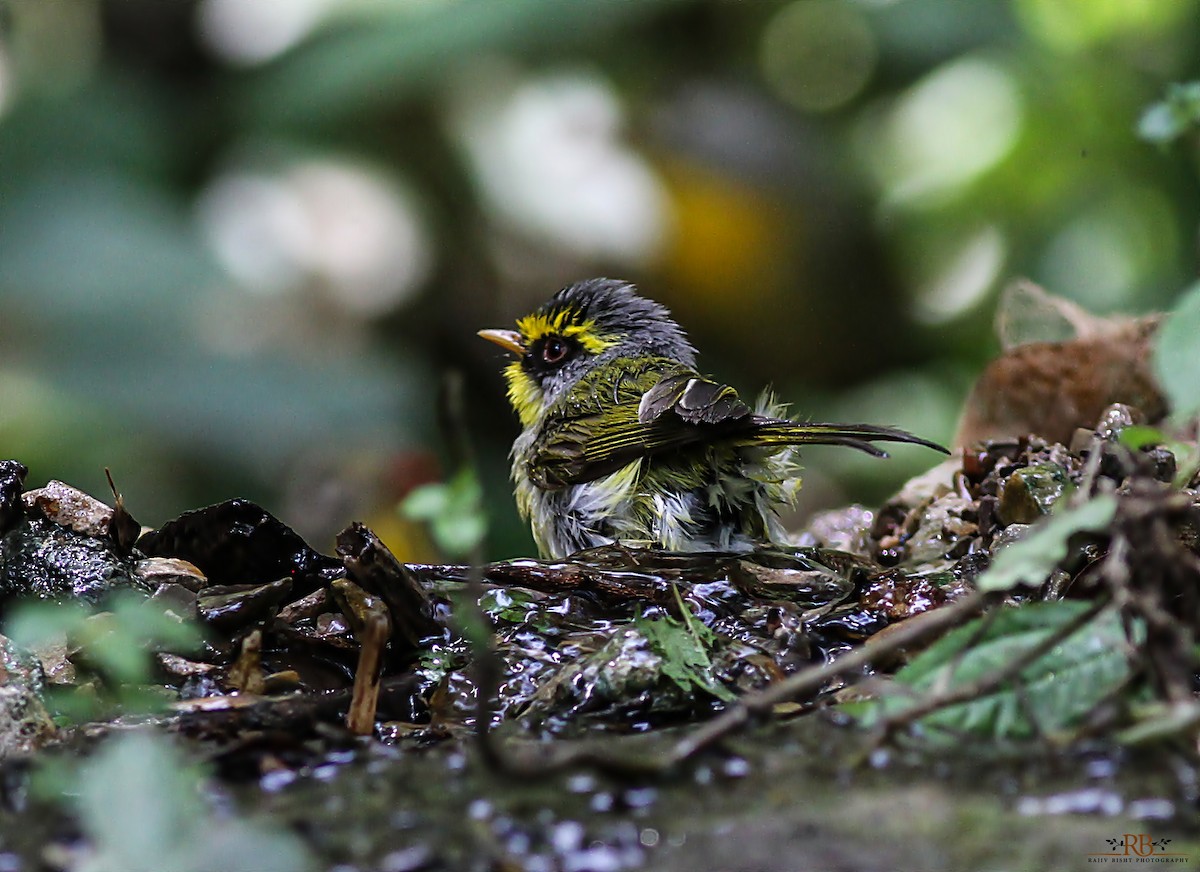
[509, 340]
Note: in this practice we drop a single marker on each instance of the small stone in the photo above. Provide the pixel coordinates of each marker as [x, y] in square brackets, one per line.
[156, 571]
[1010, 534]
[69, 507]
[1030, 492]
[1116, 418]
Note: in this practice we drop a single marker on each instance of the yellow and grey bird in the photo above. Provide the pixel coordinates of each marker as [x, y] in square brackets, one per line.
[623, 440]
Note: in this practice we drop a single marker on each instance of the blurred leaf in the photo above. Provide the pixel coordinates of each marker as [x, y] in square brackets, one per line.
[119, 642]
[1140, 436]
[453, 510]
[114, 123]
[31, 624]
[1176, 363]
[1027, 313]
[116, 642]
[1030, 560]
[382, 58]
[1162, 721]
[140, 805]
[1053, 693]
[128, 242]
[471, 622]
[1171, 118]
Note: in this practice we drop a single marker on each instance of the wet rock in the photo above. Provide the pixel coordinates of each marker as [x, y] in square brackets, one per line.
[896, 595]
[12, 507]
[1008, 535]
[69, 507]
[621, 678]
[42, 559]
[1162, 464]
[175, 601]
[1031, 492]
[1116, 418]
[155, 571]
[945, 530]
[792, 579]
[25, 724]
[308, 606]
[238, 542]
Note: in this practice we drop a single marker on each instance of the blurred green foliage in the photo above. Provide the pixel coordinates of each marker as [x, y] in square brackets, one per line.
[452, 511]
[239, 239]
[114, 641]
[1030, 561]
[143, 808]
[1054, 693]
[1176, 363]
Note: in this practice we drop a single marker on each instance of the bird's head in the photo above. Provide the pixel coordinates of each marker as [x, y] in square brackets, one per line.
[583, 326]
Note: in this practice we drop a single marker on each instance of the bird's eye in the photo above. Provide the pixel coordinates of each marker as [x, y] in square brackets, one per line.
[554, 350]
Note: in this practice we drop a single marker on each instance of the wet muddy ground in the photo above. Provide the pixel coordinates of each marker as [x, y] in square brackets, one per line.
[625, 709]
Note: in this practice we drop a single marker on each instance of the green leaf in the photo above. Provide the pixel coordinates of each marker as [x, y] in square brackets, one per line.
[1162, 721]
[509, 604]
[1140, 436]
[683, 647]
[453, 510]
[1176, 363]
[1051, 694]
[368, 61]
[1030, 560]
[31, 624]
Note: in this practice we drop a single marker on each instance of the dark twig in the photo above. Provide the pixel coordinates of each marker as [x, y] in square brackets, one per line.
[372, 627]
[376, 570]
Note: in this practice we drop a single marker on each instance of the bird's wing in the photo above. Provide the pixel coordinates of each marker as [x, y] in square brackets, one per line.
[643, 408]
[630, 410]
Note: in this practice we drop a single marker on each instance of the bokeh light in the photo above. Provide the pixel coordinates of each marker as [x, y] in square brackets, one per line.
[548, 156]
[351, 232]
[961, 279]
[1073, 25]
[945, 131]
[1103, 254]
[818, 54]
[249, 32]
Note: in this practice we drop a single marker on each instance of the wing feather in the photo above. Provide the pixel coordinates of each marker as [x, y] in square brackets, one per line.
[642, 408]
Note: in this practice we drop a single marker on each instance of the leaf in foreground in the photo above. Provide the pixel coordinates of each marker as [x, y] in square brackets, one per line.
[1051, 694]
[1176, 364]
[453, 510]
[140, 806]
[1030, 560]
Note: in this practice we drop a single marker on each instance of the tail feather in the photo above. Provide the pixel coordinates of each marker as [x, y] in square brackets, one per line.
[772, 431]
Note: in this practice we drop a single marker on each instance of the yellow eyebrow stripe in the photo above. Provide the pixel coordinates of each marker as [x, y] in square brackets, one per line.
[534, 327]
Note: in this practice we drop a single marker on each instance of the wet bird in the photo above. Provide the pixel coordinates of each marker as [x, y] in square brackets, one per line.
[623, 440]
